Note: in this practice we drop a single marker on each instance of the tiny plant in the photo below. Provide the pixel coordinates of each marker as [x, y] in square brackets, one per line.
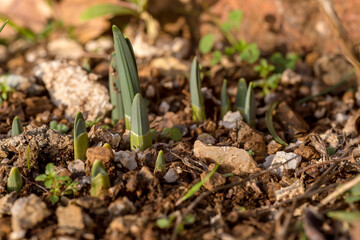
[16, 127]
[100, 181]
[173, 133]
[63, 128]
[282, 63]
[127, 72]
[197, 100]
[249, 110]
[117, 112]
[241, 96]
[160, 163]
[140, 136]
[225, 101]
[58, 185]
[270, 125]
[5, 89]
[15, 181]
[81, 139]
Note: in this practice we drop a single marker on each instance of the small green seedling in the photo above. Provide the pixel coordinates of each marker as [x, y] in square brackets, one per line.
[15, 181]
[282, 63]
[264, 68]
[58, 185]
[100, 181]
[63, 128]
[165, 223]
[270, 125]
[160, 163]
[81, 139]
[2, 26]
[173, 133]
[140, 136]
[117, 112]
[225, 101]
[241, 96]
[194, 189]
[250, 113]
[5, 89]
[16, 127]
[197, 100]
[127, 72]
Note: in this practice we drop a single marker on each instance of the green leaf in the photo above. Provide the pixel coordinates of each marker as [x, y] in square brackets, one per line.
[226, 26]
[127, 71]
[189, 219]
[160, 163]
[103, 9]
[251, 53]
[63, 128]
[270, 125]
[15, 181]
[97, 168]
[250, 111]
[49, 168]
[236, 17]
[48, 183]
[53, 124]
[2, 26]
[225, 101]
[206, 43]
[175, 134]
[216, 58]
[117, 112]
[16, 128]
[197, 100]
[241, 96]
[79, 125]
[350, 217]
[330, 151]
[163, 223]
[41, 177]
[352, 199]
[99, 185]
[81, 144]
[54, 199]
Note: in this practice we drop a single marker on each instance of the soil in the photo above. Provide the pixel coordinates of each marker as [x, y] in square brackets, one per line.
[248, 197]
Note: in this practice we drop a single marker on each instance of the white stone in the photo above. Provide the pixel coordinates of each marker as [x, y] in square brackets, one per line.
[171, 175]
[230, 119]
[280, 161]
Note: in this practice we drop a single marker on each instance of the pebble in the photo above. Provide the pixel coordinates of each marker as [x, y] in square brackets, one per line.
[206, 138]
[76, 166]
[288, 161]
[64, 48]
[121, 206]
[164, 107]
[71, 217]
[127, 159]
[171, 175]
[230, 119]
[233, 159]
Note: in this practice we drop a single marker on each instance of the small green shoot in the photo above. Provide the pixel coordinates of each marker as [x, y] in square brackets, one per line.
[194, 189]
[127, 71]
[250, 113]
[282, 63]
[103, 9]
[165, 223]
[354, 194]
[173, 133]
[160, 163]
[241, 96]
[5, 89]
[206, 43]
[140, 136]
[15, 181]
[264, 68]
[58, 185]
[117, 112]
[81, 139]
[16, 128]
[63, 128]
[350, 217]
[100, 181]
[89, 123]
[197, 100]
[225, 101]
[270, 125]
[2, 26]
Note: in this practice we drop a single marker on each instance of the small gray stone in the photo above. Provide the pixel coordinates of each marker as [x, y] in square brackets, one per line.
[230, 119]
[171, 175]
[127, 159]
[206, 138]
[284, 160]
[164, 107]
[76, 166]
[121, 206]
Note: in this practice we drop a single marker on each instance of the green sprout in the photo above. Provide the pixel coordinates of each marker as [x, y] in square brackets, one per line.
[63, 128]
[250, 113]
[241, 96]
[270, 125]
[81, 139]
[127, 72]
[140, 136]
[197, 100]
[117, 112]
[2, 26]
[16, 127]
[58, 185]
[100, 181]
[160, 163]
[15, 181]
[173, 133]
[5, 89]
[225, 101]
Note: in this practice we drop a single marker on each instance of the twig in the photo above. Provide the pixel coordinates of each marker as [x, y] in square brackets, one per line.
[41, 187]
[339, 191]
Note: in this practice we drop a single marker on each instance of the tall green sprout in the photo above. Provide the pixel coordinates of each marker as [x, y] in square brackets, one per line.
[127, 71]
[250, 113]
[225, 101]
[100, 181]
[117, 112]
[81, 139]
[197, 100]
[16, 127]
[140, 136]
[241, 96]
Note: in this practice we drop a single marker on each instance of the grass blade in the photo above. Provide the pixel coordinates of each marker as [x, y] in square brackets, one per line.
[2, 26]
[250, 112]
[197, 100]
[225, 101]
[270, 124]
[241, 96]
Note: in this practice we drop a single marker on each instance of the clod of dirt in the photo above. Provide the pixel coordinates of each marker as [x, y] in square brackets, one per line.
[230, 119]
[171, 175]
[289, 192]
[233, 159]
[216, 180]
[307, 152]
[101, 136]
[6, 203]
[273, 147]
[122, 227]
[170, 66]
[43, 143]
[27, 212]
[103, 154]
[35, 105]
[74, 88]
[282, 160]
[290, 120]
[121, 206]
[70, 217]
[251, 139]
[127, 159]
